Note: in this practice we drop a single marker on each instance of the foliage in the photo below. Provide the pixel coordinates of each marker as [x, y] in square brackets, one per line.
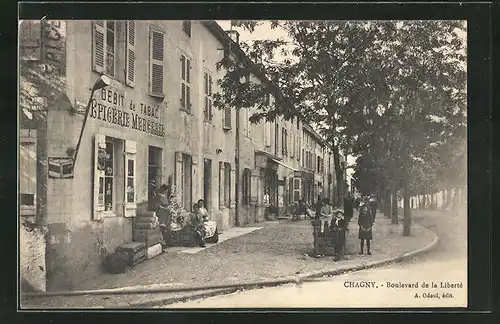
[393, 92]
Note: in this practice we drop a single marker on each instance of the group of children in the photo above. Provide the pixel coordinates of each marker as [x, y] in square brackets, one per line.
[340, 219]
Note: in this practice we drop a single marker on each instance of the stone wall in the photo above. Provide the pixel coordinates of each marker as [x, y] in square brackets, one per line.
[32, 257]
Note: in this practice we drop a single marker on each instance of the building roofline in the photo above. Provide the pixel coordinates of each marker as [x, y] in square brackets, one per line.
[222, 36]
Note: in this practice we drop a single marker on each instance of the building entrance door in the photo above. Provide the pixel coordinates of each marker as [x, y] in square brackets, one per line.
[207, 183]
[154, 173]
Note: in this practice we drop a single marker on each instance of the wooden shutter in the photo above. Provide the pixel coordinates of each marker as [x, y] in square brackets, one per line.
[221, 185]
[130, 57]
[227, 118]
[156, 51]
[130, 155]
[99, 156]
[178, 176]
[98, 41]
[254, 185]
[267, 134]
[232, 187]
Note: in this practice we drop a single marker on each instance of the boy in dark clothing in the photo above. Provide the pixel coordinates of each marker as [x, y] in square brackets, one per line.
[348, 207]
[339, 228]
[319, 204]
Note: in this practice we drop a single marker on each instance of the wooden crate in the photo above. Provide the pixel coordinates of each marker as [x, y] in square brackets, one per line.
[149, 236]
[183, 237]
[135, 251]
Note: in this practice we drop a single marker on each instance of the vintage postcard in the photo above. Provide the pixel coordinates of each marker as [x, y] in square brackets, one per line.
[242, 164]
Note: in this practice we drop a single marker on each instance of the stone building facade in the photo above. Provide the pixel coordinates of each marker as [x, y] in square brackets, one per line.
[154, 123]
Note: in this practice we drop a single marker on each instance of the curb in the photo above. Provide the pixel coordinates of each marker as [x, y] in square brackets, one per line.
[310, 275]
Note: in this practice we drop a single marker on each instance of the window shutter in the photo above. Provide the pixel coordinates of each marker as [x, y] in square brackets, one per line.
[156, 50]
[178, 176]
[221, 185]
[99, 158]
[130, 178]
[297, 139]
[130, 66]
[254, 193]
[227, 118]
[232, 187]
[98, 41]
[267, 134]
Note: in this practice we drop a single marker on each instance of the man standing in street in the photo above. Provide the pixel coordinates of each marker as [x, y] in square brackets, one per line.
[372, 203]
[348, 207]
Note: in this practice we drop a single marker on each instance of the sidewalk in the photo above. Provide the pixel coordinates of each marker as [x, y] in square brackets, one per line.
[278, 249]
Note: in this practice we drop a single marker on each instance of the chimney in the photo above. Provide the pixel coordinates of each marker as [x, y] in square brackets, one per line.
[234, 35]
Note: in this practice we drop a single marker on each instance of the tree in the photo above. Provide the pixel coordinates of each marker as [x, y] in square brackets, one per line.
[409, 94]
[41, 86]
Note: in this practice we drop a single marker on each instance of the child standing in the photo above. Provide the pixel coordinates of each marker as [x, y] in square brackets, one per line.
[365, 222]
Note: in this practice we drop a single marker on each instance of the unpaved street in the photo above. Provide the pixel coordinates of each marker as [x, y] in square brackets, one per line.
[445, 265]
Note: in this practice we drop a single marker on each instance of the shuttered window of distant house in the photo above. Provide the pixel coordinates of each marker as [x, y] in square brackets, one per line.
[156, 60]
[186, 67]
[227, 118]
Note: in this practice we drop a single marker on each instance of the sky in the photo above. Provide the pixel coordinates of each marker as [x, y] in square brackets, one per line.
[266, 32]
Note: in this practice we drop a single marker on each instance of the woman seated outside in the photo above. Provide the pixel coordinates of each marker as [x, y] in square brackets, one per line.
[198, 225]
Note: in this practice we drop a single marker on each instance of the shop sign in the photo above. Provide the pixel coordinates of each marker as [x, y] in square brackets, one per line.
[111, 106]
[60, 168]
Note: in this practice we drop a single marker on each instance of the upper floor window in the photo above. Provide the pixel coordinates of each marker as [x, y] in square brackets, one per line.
[104, 46]
[185, 83]
[246, 186]
[156, 60]
[284, 142]
[186, 27]
[207, 111]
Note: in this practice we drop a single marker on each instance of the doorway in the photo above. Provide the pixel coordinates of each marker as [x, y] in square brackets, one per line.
[207, 183]
[154, 173]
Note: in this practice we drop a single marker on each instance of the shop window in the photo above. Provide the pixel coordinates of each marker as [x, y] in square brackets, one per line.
[246, 187]
[154, 173]
[270, 187]
[207, 110]
[27, 174]
[186, 27]
[130, 179]
[156, 62]
[111, 177]
[186, 83]
[104, 46]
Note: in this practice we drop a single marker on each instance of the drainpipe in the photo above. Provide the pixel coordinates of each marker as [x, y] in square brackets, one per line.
[237, 164]
[237, 150]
